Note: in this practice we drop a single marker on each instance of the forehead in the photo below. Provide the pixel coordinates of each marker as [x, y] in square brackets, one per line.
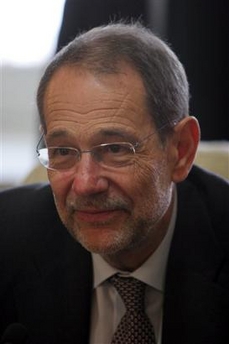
[76, 99]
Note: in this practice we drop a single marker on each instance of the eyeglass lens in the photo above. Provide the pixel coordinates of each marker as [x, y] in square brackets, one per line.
[111, 154]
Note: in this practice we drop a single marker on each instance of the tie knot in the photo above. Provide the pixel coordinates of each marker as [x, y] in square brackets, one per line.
[131, 290]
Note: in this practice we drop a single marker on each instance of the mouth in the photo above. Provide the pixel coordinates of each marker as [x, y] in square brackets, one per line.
[91, 216]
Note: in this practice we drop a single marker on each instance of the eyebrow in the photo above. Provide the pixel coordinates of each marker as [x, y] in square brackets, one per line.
[123, 134]
[116, 132]
[58, 133]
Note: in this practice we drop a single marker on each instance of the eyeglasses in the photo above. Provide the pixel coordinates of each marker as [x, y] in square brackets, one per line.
[115, 154]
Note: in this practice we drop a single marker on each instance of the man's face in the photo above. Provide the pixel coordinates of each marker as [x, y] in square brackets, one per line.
[109, 210]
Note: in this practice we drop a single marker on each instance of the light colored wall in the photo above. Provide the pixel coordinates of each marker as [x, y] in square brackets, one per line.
[19, 122]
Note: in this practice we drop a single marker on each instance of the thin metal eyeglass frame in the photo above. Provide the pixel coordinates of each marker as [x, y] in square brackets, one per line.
[133, 146]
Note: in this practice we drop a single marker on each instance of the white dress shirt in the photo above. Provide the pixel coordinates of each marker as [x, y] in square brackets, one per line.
[107, 305]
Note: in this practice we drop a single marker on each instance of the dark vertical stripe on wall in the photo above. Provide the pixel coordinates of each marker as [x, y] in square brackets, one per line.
[80, 15]
[199, 33]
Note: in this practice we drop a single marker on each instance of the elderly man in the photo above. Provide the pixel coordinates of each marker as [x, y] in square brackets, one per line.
[129, 243]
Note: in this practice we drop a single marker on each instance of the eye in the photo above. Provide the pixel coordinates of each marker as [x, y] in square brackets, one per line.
[62, 151]
[117, 149]
[58, 152]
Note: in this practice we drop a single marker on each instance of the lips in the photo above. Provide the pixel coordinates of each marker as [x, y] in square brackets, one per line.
[96, 215]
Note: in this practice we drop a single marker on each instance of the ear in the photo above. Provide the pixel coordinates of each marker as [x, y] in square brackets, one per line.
[185, 142]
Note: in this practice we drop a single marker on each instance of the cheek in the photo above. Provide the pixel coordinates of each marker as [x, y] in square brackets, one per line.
[145, 173]
[151, 178]
[153, 191]
[60, 184]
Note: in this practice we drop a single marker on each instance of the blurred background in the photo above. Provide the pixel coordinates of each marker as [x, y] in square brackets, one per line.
[32, 31]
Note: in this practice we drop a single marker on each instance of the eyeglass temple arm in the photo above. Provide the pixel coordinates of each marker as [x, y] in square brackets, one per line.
[39, 142]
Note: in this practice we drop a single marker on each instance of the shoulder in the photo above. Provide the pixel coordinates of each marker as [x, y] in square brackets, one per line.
[30, 224]
[30, 201]
[24, 195]
[27, 212]
[206, 195]
[209, 186]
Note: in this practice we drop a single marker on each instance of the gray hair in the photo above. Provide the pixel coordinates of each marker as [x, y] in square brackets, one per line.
[101, 50]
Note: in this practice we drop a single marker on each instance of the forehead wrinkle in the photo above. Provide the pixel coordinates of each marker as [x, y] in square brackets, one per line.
[109, 99]
[130, 104]
[105, 100]
[111, 105]
[112, 131]
[69, 108]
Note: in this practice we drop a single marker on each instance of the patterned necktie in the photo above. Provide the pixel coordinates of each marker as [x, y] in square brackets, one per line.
[134, 327]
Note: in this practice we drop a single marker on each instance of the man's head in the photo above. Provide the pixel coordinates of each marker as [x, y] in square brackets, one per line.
[102, 50]
[122, 86]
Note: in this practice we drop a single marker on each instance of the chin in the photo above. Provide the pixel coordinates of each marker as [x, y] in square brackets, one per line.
[104, 241]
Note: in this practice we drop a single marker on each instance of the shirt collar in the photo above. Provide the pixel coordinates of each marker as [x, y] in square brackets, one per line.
[152, 271]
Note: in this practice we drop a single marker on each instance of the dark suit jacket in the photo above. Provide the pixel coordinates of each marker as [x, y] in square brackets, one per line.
[46, 276]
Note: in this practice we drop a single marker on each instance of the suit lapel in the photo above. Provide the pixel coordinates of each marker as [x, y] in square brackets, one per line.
[194, 303]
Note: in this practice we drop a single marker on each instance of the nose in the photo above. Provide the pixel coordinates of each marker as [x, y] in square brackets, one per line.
[88, 177]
